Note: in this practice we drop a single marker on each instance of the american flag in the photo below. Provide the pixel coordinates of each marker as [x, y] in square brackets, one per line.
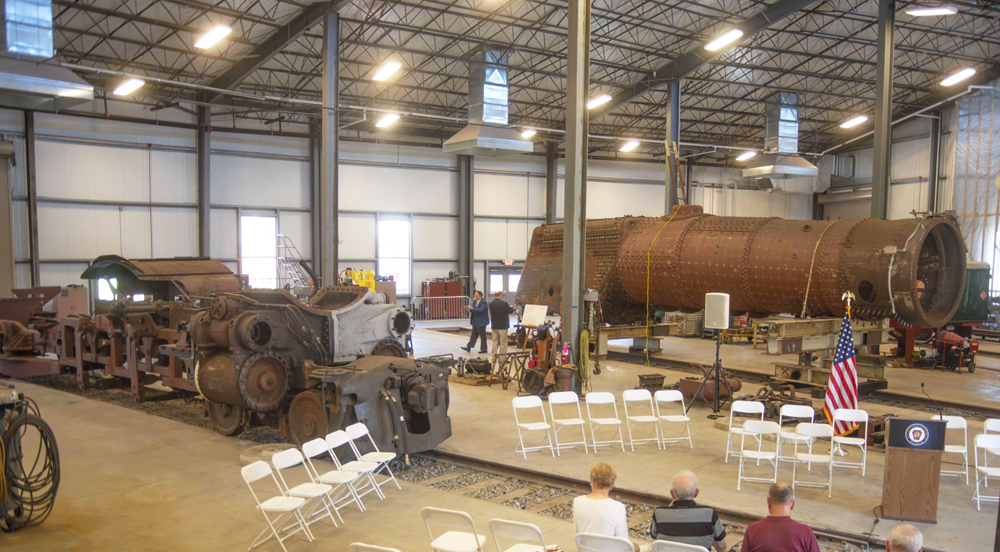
[842, 389]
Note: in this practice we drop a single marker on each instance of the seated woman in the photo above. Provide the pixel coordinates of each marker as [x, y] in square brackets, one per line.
[597, 513]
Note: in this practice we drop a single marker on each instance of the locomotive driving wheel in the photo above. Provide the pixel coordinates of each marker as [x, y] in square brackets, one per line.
[307, 419]
[388, 348]
[263, 381]
[227, 419]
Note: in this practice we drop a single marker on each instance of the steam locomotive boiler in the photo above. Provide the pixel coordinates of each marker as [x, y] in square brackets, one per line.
[258, 357]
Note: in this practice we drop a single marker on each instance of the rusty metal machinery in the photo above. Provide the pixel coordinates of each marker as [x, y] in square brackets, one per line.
[912, 270]
[251, 353]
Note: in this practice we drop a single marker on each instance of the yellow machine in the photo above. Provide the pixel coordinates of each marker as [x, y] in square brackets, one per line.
[363, 278]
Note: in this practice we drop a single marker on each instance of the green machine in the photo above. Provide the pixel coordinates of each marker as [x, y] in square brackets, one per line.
[975, 305]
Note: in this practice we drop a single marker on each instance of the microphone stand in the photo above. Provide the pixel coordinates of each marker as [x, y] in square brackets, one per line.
[940, 410]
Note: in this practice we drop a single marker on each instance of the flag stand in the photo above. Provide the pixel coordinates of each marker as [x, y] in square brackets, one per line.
[847, 296]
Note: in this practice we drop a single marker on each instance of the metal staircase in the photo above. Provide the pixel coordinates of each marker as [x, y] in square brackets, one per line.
[291, 261]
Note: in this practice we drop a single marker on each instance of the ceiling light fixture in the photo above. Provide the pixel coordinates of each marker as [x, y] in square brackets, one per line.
[386, 71]
[851, 123]
[528, 133]
[209, 39]
[387, 120]
[719, 43]
[629, 146]
[925, 11]
[602, 99]
[129, 86]
[958, 77]
[746, 155]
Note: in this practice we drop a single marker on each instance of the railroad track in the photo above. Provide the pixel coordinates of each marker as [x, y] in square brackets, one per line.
[552, 495]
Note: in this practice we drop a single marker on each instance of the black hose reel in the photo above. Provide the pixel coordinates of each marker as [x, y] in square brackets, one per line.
[30, 462]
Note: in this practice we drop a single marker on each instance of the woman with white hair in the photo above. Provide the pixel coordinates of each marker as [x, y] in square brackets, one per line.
[904, 538]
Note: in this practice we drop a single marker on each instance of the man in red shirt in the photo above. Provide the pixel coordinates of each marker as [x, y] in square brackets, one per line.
[778, 532]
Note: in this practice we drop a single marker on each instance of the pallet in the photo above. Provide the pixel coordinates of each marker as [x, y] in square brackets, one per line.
[475, 382]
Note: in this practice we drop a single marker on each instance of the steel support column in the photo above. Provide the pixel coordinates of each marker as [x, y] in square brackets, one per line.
[883, 108]
[575, 209]
[329, 189]
[204, 181]
[673, 128]
[551, 182]
[31, 181]
[688, 177]
[316, 198]
[932, 169]
[466, 219]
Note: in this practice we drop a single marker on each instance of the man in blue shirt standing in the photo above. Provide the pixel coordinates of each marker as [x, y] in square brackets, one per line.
[480, 316]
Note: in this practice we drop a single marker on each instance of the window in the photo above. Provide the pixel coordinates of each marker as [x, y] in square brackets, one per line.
[106, 288]
[259, 250]
[496, 282]
[512, 281]
[394, 253]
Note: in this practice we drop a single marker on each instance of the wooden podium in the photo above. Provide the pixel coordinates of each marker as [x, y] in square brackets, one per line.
[912, 469]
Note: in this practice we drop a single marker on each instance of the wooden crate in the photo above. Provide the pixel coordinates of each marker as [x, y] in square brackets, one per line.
[687, 324]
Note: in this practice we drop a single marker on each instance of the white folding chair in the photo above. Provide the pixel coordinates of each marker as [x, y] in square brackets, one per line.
[986, 443]
[531, 402]
[362, 547]
[589, 542]
[528, 536]
[364, 469]
[663, 399]
[564, 398]
[991, 425]
[338, 480]
[286, 508]
[957, 422]
[807, 433]
[452, 541]
[312, 492]
[640, 399]
[598, 399]
[752, 408]
[358, 432]
[794, 412]
[667, 546]
[852, 416]
[758, 429]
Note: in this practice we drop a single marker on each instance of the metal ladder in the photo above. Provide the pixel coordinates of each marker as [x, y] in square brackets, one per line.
[676, 180]
[289, 258]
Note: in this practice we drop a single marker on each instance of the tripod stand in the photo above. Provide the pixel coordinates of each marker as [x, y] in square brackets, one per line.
[717, 370]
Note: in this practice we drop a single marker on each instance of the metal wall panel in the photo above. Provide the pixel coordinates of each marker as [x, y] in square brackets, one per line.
[509, 195]
[389, 154]
[298, 228]
[19, 227]
[357, 235]
[87, 231]
[17, 172]
[435, 237]
[62, 274]
[100, 172]
[22, 275]
[626, 170]
[518, 164]
[405, 190]
[270, 145]
[175, 232]
[223, 234]
[904, 198]
[113, 131]
[260, 182]
[11, 120]
[617, 199]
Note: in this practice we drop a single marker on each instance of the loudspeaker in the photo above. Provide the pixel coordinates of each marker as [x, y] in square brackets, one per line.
[717, 311]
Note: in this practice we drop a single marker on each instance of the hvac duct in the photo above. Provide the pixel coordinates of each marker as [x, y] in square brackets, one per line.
[488, 133]
[781, 143]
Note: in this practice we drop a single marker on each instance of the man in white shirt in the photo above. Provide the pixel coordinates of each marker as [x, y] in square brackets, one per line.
[597, 512]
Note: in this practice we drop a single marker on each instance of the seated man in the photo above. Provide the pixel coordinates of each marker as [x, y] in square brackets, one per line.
[598, 513]
[777, 532]
[686, 522]
[904, 538]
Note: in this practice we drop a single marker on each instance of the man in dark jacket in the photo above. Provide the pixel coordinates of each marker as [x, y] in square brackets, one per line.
[480, 316]
[500, 313]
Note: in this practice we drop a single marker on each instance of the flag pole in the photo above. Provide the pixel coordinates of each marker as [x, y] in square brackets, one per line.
[847, 296]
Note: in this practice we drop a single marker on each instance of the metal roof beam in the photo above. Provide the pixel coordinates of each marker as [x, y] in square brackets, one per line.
[278, 41]
[693, 59]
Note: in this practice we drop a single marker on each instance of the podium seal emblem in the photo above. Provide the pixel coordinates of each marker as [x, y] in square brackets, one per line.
[917, 434]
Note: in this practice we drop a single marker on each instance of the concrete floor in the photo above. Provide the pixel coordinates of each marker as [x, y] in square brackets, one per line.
[132, 481]
[484, 427]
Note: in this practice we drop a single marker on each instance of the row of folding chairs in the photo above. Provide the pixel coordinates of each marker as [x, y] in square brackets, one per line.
[652, 411]
[317, 495]
[460, 535]
[989, 443]
[589, 542]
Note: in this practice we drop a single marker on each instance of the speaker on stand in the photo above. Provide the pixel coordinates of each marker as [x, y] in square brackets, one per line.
[716, 318]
